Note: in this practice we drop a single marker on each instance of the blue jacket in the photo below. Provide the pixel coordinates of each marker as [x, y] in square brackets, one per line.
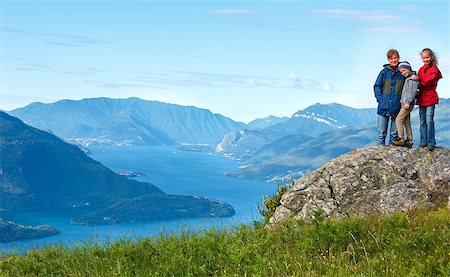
[388, 90]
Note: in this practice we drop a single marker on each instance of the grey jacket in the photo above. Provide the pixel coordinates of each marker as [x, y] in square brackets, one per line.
[409, 90]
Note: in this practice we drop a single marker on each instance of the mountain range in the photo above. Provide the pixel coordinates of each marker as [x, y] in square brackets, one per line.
[308, 123]
[269, 148]
[289, 157]
[132, 121]
[320, 118]
[39, 171]
[261, 123]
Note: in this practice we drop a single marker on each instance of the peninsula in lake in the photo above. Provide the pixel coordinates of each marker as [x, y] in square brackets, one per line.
[39, 171]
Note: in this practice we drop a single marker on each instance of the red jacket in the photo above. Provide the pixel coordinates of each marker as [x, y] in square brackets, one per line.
[429, 76]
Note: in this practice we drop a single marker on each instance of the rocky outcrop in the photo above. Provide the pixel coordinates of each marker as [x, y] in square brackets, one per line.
[376, 179]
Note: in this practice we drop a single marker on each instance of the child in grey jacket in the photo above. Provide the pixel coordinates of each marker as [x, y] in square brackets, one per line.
[407, 101]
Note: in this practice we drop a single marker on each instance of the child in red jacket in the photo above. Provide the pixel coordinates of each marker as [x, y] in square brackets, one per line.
[427, 99]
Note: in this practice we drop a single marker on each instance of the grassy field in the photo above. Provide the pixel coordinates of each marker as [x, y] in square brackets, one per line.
[414, 244]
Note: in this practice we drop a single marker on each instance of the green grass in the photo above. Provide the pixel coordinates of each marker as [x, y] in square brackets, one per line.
[413, 244]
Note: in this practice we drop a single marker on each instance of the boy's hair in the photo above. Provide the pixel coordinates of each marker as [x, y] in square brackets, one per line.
[392, 52]
[434, 60]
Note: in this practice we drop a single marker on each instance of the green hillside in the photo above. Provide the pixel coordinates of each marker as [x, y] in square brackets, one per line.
[39, 171]
[414, 244]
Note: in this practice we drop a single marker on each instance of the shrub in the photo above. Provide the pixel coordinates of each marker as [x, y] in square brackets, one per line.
[272, 201]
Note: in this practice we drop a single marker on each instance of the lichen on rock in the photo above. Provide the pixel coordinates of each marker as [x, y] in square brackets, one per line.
[375, 179]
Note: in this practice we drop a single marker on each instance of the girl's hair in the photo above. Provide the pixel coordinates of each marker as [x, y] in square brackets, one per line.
[392, 52]
[434, 60]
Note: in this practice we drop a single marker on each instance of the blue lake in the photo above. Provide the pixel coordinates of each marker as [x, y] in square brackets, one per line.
[173, 171]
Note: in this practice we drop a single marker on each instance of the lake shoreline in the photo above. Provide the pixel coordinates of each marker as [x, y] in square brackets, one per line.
[175, 172]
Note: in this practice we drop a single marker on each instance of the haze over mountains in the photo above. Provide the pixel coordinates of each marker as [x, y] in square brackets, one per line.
[261, 123]
[132, 121]
[39, 171]
[289, 157]
[269, 148]
[308, 123]
[320, 118]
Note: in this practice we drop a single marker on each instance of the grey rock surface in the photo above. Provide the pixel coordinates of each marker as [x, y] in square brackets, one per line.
[375, 179]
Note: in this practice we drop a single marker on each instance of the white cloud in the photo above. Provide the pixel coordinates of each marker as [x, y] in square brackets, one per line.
[230, 12]
[411, 8]
[360, 15]
[326, 86]
[252, 82]
[14, 59]
[375, 21]
[294, 81]
[391, 29]
[14, 30]
[66, 39]
[183, 78]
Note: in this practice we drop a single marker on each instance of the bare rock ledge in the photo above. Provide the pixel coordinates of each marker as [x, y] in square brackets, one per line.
[367, 180]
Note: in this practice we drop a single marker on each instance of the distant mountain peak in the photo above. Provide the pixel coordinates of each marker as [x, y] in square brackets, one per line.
[109, 121]
[261, 123]
[335, 115]
[319, 118]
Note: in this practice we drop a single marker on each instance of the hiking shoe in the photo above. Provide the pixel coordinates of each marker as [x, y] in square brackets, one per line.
[422, 145]
[430, 147]
[408, 144]
[398, 142]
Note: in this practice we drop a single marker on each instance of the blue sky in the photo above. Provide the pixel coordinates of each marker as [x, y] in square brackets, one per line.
[243, 59]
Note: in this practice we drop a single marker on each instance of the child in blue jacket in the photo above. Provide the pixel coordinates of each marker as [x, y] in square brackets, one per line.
[388, 90]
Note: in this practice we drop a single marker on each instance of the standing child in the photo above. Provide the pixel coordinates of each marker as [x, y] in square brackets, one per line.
[388, 88]
[429, 76]
[407, 104]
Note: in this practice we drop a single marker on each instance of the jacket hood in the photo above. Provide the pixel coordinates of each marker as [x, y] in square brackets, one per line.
[411, 74]
[439, 73]
[387, 66]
